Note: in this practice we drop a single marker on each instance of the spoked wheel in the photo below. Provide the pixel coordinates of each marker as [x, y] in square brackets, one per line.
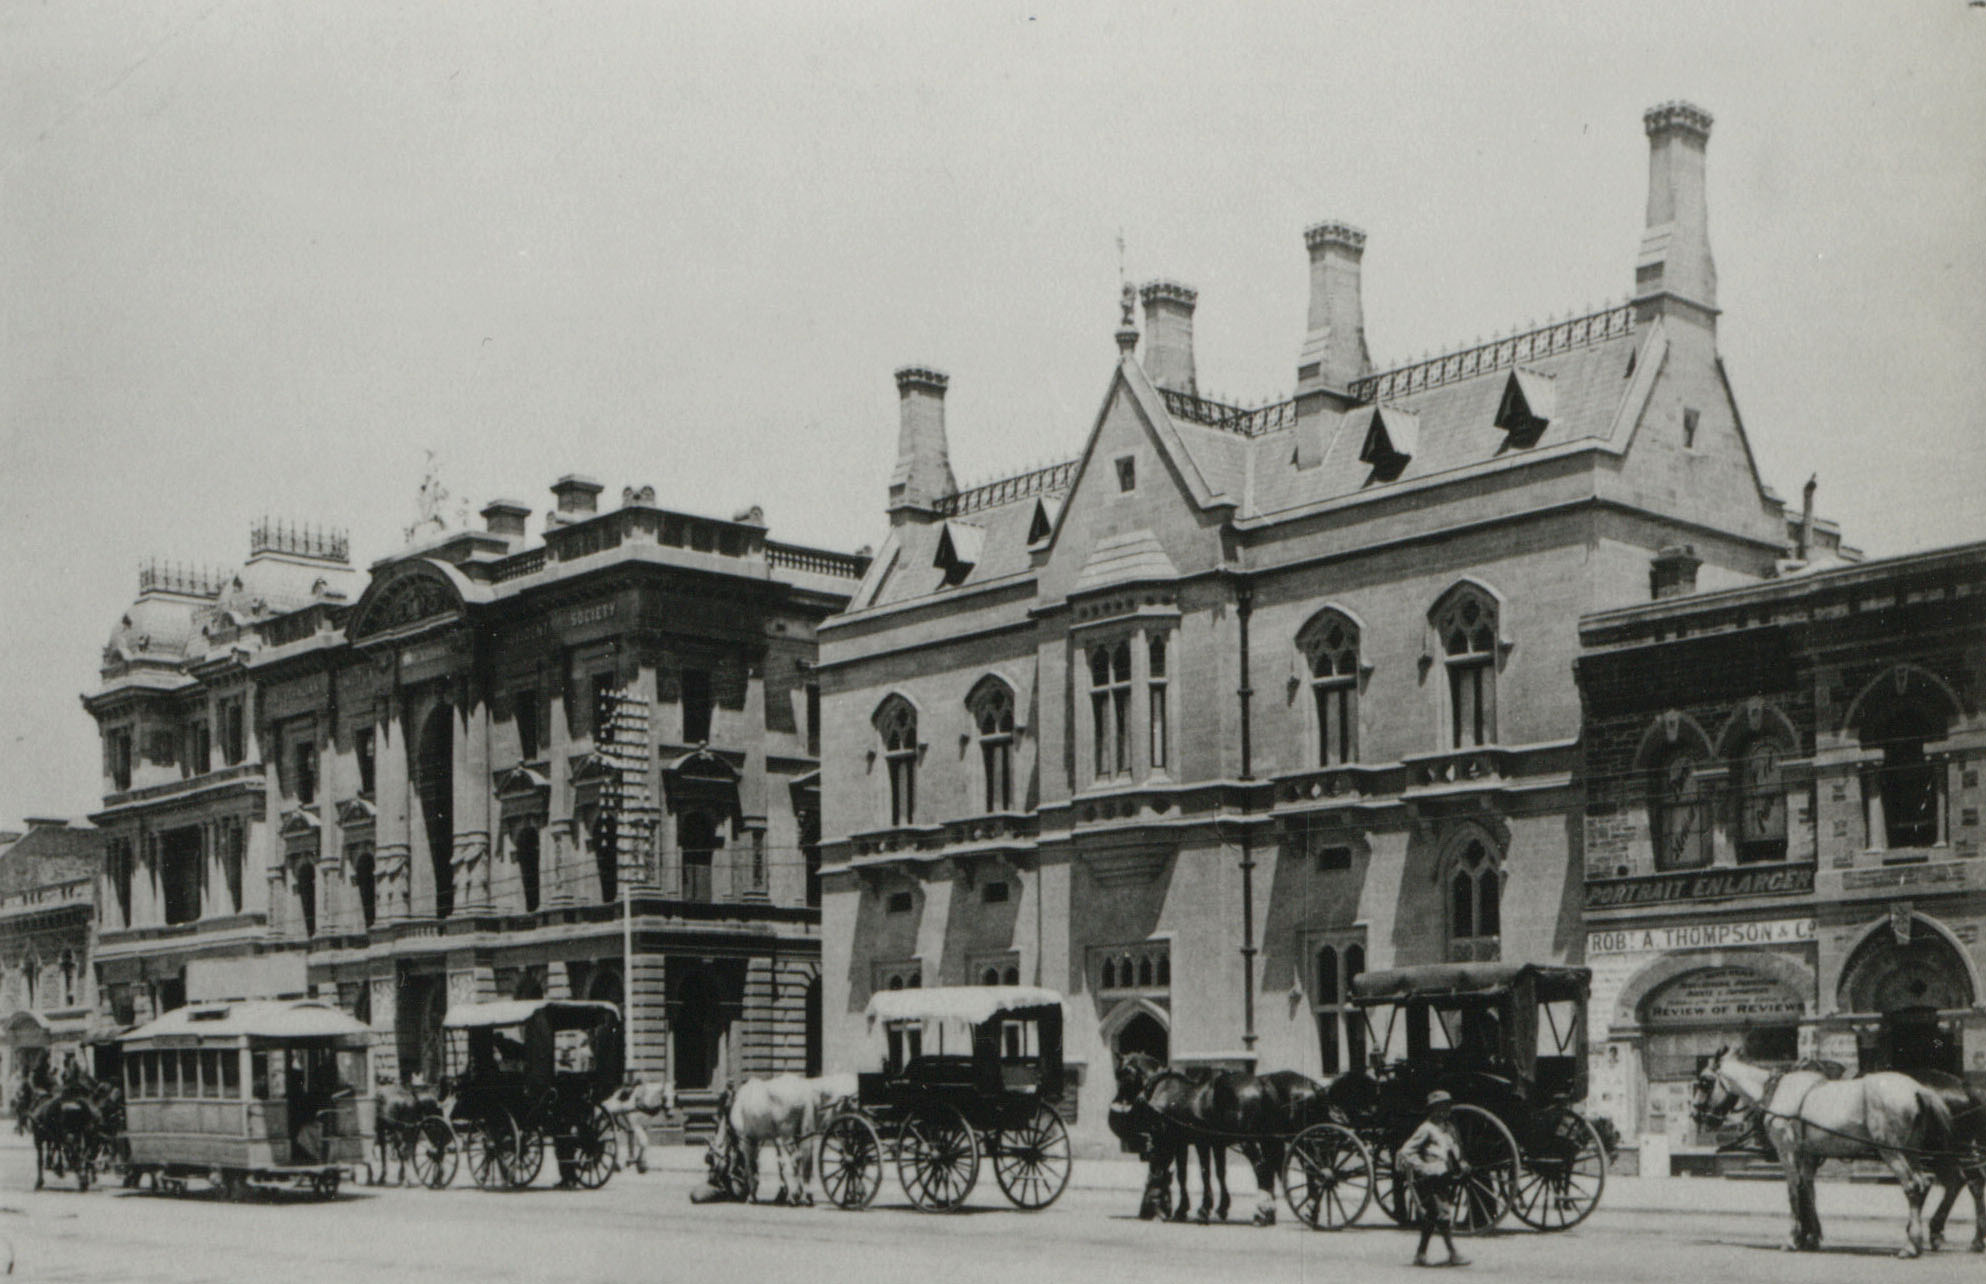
[1482, 1197]
[594, 1150]
[1388, 1191]
[1561, 1173]
[1032, 1161]
[529, 1158]
[937, 1159]
[435, 1153]
[1327, 1176]
[489, 1145]
[849, 1159]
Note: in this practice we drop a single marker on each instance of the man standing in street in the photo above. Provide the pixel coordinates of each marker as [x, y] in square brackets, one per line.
[1430, 1163]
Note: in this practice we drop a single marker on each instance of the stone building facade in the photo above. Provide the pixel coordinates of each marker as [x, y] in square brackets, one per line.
[490, 766]
[47, 897]
[1782, 833]
[1238, 702]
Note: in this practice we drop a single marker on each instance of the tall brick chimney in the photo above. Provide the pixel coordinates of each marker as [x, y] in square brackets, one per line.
[1169, 335]
[923, 473]
[1334, 351]
[1675, 262]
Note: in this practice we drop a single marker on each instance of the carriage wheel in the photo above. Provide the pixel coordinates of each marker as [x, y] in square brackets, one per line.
[1327, 1176]
[529, 1158]
[1032, 1161]
[234, 1185]
[436, 1154]
[937, 1159]
[849, 1158]
[593, 1150]
[1483, 1196]
[490, 1146]
[327, 1184]
[1563, 1171]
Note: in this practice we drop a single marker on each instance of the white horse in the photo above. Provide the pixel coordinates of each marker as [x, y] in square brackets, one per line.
[1811, 1118]
[635, 1101]
[785, 1110]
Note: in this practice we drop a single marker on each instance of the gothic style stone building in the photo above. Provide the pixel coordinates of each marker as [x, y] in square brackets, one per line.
[47, 995]
[1238, 702]
[488, 767]
[1782, 829]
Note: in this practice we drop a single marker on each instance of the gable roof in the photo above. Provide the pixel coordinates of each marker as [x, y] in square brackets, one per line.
[1124, 559]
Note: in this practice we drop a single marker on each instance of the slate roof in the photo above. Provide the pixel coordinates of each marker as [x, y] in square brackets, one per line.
[49, 853]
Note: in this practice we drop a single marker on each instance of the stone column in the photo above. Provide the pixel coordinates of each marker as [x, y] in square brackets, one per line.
[392, 845]
[558, 854]
[472, 856]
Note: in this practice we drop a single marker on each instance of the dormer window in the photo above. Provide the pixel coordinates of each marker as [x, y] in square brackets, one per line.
[1127, 474]
[958, 550]
[1526, 407]
[1390, 441]
[1042, 524]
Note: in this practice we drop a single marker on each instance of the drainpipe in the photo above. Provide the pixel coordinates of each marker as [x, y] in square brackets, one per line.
[1244, 607]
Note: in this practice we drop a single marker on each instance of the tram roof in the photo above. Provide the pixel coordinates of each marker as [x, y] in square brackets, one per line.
[970, 1004]
[504, 1012]
[255, 1019]
[1459, 980]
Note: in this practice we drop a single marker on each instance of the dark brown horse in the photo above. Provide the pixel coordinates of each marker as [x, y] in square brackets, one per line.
[1255, 1113]
[1149, 1096]
[1966, 1167]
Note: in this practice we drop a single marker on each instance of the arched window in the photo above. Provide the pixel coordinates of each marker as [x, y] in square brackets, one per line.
[991, 976]
[31, 973]
[1156, 682]
[1145, 970]
[1903, 795]
[367, 885]
[525, 845]
[1475, 893]
[303, 877]
[1110, 708]
[1340, 1026]
[1165, 969]
[1465, 622]
[1012, 976]
[68, 979]
[1330, 647]
[896, 723]
[1109, 974]
[992, 708]
[698, 840]
[1679, 812]
[1761, 801]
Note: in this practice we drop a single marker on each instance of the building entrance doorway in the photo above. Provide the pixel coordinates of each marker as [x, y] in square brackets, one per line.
[1144, 1033]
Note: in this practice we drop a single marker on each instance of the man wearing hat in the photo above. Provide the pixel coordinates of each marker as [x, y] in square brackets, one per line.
[1429, 1163]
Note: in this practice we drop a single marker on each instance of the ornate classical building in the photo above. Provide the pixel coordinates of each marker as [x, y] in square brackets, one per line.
[1239, 702]
[1782, 829]
[47, 894]
[489, 766]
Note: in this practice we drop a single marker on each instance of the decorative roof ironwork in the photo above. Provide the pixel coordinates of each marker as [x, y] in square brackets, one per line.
[1039, 481]
[1242, 420]
[174, 577]
[1561, 336]
[324, 543]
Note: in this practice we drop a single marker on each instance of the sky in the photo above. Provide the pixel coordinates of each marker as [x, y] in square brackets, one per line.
[260, 258]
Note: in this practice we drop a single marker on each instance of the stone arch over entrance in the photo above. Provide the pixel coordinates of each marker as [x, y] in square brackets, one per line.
[1138, 1025]
[1882, 973]
[1790, 974]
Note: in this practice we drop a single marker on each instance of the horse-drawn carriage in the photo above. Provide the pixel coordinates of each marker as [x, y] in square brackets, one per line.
[1508, 1042]
[524, 1074]
[969, 1072]
[267, 1092]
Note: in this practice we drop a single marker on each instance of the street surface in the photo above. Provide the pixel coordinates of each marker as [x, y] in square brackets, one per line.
[643, 1227]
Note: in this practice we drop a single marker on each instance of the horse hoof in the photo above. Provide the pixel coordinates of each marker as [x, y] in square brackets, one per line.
[1204, 1217]
[1267, 1217]
[1906, 1253]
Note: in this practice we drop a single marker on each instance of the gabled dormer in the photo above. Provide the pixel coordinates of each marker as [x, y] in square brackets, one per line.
[1391, 438]
[1526, 407]
[959, 546]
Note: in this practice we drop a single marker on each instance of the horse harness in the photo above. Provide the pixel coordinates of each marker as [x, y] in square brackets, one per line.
[1969, 1159]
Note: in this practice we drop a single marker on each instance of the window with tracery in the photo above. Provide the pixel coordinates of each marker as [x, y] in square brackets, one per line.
[1110, 708]
[992, 709]
[1761, 802]
[1466, 624]
[1679, 812]
[1330, 647]
[1340, 1026]
[1475, 912]
[896, 723]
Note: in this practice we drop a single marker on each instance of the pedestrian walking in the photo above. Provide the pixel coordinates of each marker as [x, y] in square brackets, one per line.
[1430, 1164]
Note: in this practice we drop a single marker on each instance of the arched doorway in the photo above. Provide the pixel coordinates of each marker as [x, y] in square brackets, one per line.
[697, 1027]
[605, 984]
[434, 786]
[1689, 1017]
[1144, 1033]
[1906, 986]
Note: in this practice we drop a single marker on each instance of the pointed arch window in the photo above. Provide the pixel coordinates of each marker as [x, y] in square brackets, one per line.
[1475, 910]
[68, 966]
[1110, 708]
[1466, 624]
[1156, 684]
[992, 708]
[1761, 801]
[1340, 1026]
[1330, 646]
[896, 723]
[1903, 794]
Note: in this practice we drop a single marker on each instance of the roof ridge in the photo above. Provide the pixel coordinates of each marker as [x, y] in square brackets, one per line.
[1005, 490]
[1609, 322]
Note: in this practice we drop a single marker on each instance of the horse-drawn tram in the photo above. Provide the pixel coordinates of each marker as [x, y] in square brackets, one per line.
[265, 1092]
[969, 1072]
[1508, 1042]
[527, 1073]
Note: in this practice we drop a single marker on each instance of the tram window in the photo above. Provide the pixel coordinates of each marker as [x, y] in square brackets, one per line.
[231, 1075]
[189, 1073]
[351, 1069]
[258, 1069]
[151, 1071]
[169, 1081]
[210, 1073]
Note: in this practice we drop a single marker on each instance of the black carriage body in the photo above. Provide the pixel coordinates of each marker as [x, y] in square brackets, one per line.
[541, 1062]
[1013, 1063]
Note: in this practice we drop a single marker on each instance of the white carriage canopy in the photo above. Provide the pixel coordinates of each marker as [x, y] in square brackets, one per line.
[964, 1004]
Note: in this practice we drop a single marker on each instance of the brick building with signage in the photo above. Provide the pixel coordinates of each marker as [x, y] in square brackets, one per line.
[1782, 828]
[488, 767]
[1239, 702]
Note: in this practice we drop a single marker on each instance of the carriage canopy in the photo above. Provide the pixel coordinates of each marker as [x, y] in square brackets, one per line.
[1467, 980]
[964, 1004]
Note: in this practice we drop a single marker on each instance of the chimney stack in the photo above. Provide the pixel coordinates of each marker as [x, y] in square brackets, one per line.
[1334, 351]
[506, 517]
[1804, 548]
[1169, 335]
[578, 497]
[1675, 261]
[923, 473]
